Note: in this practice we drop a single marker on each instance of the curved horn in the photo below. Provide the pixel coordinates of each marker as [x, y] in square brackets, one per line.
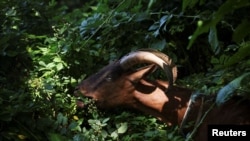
[151, 56]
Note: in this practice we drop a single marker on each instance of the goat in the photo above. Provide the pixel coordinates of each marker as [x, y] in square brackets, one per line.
[118, 85]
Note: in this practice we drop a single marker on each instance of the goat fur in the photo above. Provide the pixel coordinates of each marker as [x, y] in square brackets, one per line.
[112, 87]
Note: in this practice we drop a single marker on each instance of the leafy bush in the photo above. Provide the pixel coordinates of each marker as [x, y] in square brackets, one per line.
[48, 47]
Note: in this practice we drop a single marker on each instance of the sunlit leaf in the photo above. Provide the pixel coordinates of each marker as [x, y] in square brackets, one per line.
[59, 66]
[123, 128]
[105, 120]
[114, 135]
[21, 137]
[104, 134]
[50, 65]
[57, 59]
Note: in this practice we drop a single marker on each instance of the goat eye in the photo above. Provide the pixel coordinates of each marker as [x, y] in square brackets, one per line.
[108, 79]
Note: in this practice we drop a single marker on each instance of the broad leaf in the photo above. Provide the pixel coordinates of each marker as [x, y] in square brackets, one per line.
[241, 31]
[123, 128]
[228, 6]
[226, 61]
[226, 92]
[213, 39]
[188, 4]
[159, 45]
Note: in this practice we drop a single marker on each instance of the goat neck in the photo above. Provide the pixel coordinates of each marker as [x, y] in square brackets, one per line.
[152, 99]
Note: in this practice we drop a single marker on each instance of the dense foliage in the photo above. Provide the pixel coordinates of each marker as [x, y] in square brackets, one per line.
[48, 47]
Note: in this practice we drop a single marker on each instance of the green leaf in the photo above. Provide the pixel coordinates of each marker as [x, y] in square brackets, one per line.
[219, 62]
[75, 126]
[59, 66]
[104, 134]
[124, 5]
[227, 91]
[92, 121]
[114, 135]
[188, 4]
[200, 30]
[165, 20]
[105, 120]
[123, 128]
[62, 119]
[56, 137]
[91, 24]
[141, 17]
[228, 6]
[50, 65]
[42, 63]
[31, 36]
[57, 59]
[213, 39]
[243, 52]
[151, 2]
[159, 45]
[241, 31]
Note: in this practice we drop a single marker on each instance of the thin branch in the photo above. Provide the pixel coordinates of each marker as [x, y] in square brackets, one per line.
[190, 136]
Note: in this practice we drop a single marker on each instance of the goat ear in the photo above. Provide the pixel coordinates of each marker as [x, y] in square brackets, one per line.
[142, 72]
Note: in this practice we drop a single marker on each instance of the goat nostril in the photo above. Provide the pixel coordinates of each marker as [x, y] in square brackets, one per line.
[78, 92]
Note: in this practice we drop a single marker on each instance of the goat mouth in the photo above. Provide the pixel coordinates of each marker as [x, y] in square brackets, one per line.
[85, 101]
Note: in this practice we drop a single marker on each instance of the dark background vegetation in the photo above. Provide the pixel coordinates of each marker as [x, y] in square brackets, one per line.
[48, 46]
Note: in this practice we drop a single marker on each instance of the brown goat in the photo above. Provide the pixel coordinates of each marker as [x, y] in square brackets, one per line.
[118, 85]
